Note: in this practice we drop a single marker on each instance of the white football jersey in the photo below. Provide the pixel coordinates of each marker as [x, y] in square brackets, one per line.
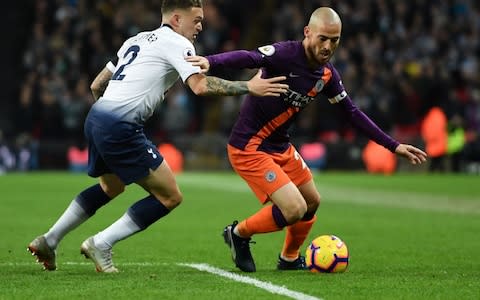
[148, 65]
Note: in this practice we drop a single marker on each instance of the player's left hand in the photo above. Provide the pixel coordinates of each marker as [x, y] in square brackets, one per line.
[264, 87]
[413, 154]
[199, 61]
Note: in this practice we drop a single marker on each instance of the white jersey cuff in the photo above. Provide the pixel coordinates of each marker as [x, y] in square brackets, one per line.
[110, 66]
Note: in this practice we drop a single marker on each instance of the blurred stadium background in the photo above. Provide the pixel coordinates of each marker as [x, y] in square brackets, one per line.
[412, 66]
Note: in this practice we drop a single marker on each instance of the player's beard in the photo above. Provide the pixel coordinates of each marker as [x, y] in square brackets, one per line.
[323, 56]
[321, 59]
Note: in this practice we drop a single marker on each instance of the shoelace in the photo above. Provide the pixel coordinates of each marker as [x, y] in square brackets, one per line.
[302, 261]
[107, 256]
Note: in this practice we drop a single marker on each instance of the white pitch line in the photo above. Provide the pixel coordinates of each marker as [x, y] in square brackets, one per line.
[269, 287]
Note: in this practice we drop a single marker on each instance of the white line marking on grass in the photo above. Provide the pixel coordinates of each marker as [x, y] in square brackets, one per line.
[269, 287]
[265, 285]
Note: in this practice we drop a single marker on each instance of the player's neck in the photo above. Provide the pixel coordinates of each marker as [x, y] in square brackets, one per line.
[311, 62]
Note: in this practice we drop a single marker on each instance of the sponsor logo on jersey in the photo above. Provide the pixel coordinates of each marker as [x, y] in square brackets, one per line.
[268, 50]
[296, 99]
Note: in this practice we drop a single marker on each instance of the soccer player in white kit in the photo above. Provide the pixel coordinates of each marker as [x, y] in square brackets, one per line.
[119, 152]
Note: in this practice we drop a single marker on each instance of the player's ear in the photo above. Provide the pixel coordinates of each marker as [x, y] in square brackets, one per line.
[306, 31]
[175, 20]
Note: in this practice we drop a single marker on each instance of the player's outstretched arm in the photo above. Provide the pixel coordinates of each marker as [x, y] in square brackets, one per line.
[100, 83]
[209, 85]
[412, 153]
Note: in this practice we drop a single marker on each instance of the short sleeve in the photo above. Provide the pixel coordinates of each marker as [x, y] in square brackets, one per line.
[180, 50]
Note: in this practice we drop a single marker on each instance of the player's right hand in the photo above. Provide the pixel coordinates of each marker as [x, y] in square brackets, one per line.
[199, 61]
[262, 87]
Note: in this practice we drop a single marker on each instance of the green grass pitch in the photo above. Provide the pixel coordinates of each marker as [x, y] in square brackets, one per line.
[410, 236]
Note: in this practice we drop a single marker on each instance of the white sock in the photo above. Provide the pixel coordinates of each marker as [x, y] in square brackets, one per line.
[288, 259]
[73, 216]
[235, 231]
[121, 229]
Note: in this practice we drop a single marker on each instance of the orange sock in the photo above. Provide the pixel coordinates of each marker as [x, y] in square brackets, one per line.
[260, 222]
[295, 236]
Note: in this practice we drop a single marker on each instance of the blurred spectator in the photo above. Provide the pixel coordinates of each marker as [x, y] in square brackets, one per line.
[435, 136]
[471, 152]
[49, 116]
[7, 158]
[455, 142]
[379, 160]
[77, 155]
[26, 153]
[314, 154]
[173, 156]
[74, 108]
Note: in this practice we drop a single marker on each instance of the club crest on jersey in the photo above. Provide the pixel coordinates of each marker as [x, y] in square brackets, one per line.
[268, 50]
[188, 52]
[270, 176]
[317, 88]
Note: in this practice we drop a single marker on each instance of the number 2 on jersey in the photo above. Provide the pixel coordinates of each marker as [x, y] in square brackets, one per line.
[134, 50]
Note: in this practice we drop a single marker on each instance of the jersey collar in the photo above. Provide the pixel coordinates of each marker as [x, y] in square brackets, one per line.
[167, 25]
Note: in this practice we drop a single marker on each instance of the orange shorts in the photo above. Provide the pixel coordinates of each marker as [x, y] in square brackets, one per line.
[265, 173]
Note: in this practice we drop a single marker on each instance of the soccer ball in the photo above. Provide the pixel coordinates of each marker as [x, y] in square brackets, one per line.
[327, 254]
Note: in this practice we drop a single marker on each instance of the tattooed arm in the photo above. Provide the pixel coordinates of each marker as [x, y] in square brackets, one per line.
[209, 85]
[221, 87]
[100, 83]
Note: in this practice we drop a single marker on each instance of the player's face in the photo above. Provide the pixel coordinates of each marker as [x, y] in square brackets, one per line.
[321, 41]
[190, 24]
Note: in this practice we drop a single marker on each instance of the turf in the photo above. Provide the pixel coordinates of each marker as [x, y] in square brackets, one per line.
[410, 236]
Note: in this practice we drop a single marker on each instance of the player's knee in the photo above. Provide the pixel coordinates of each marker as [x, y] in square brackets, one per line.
[314, 202]
[113, 190]
[176, 199]
[312, 207]
[112, 185]
[172, 200]
[295, 212]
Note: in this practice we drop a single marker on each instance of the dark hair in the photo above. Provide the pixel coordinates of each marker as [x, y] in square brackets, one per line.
[169, 5]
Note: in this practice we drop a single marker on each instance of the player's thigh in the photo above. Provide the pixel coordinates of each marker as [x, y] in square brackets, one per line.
[290, 201]
[310, 194]
[111, 184]
[119, 147]
[295, 167]
[266, 176]
[259, 170]
[162, 184]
